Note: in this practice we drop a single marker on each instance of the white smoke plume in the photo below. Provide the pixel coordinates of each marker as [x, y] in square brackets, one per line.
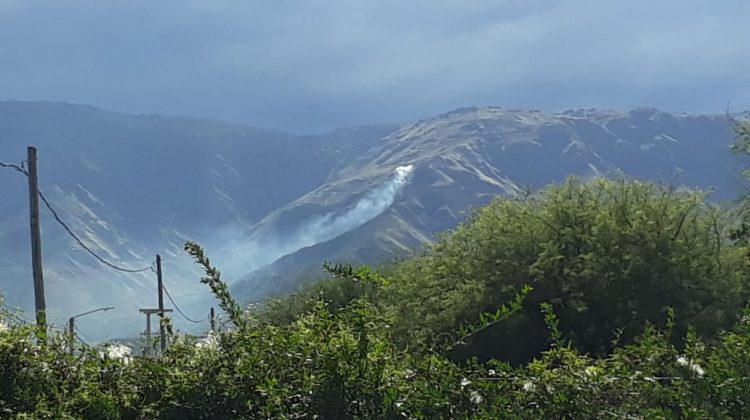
[369, 207]
[265, 248]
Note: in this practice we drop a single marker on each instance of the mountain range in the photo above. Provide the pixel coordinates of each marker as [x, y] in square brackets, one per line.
[271, 206]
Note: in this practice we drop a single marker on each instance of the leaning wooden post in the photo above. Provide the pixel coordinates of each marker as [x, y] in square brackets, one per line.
[212, 318]
[36, 243]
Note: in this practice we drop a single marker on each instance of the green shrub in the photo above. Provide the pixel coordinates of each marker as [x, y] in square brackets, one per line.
[575, 266]
[608, 255]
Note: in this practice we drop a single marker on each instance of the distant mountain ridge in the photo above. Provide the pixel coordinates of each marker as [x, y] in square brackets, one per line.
[466, 157]
[135, 185]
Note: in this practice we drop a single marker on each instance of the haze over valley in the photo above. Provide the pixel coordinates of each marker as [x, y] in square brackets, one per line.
[271, 206]
[375, 209]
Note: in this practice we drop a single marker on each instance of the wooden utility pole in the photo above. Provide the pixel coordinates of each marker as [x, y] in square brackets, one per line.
[160, 281]
[72, 333]
[212, 319]
[36, 242]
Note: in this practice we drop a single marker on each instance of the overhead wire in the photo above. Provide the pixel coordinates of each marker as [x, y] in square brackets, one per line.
[80, 242]
[26, 321]
[13, 166]
[102, 260]
[180, 310]
[80, 333]
[23, 320]
[19, 318]
[83, 245]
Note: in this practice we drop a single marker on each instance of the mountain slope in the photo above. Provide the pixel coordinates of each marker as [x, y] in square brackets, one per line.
[133, 186]
[466, 157]
[270, 206]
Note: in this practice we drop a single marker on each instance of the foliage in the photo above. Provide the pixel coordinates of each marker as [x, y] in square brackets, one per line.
[742, 147]
[635, 290]
[742, 141]
[343, 364]
[608, 255]
[345, 284]
[218, 287]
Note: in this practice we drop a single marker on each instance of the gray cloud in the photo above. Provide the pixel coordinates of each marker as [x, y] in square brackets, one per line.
[314, 65]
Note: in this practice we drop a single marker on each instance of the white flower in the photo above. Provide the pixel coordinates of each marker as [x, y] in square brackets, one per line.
[116, 351]
[591, 371]
[529, 386]
[409, 374]
[465, 382]
[476, 397]
[208, 342]
[684, 362]
[492, 372]
[697, 369]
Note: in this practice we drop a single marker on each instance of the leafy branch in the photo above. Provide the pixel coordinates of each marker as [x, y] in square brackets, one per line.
[218, 287]
[488, 319]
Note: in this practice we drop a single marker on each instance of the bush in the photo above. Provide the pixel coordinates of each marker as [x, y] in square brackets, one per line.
[571, 266]
[609, 256]
[343, 364]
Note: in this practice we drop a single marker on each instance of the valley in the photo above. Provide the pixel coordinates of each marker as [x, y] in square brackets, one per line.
[271, 206]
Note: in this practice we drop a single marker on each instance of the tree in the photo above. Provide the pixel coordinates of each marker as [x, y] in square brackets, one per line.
[608, 255]
[742, 147]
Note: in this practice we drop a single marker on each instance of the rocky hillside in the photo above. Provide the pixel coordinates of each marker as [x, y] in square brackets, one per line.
[270, 206]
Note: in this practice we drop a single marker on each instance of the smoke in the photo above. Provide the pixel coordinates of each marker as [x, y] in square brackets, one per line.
[243, 256]
[369, 207]
[69, 272]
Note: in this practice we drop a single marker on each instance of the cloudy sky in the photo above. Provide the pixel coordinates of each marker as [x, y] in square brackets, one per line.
[312, 65]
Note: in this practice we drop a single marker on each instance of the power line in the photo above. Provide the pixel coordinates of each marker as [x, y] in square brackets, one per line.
[24, 321]
[84, 246]
[79, 334]
[180, 310]
[19, 318]
[20, 168]
[93, 253]
[82, 342]
[13, 166]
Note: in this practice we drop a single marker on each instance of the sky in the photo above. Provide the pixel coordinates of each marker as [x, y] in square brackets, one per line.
[310, 66]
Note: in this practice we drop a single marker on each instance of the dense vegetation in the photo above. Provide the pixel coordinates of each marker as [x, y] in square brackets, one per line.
[607, 256]
[601, 299]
